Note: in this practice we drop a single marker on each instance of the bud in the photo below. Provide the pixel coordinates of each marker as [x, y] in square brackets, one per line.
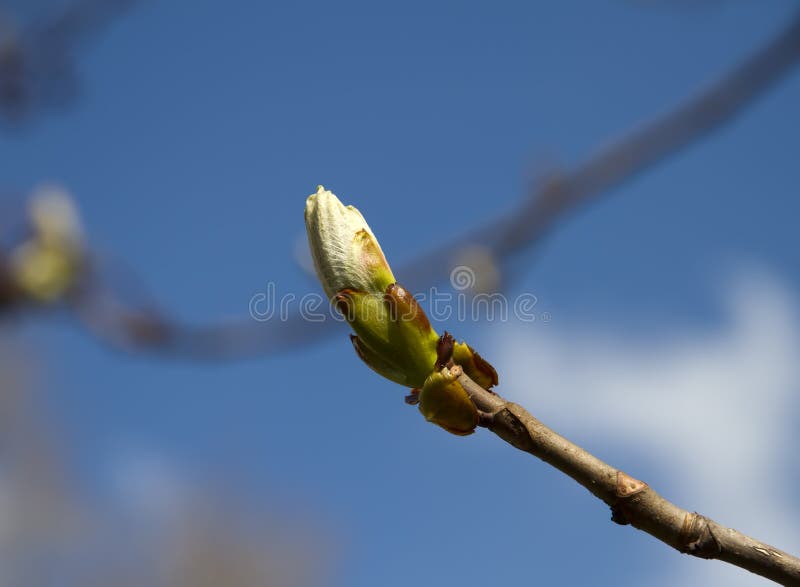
[443, 401]
[47, 265]
[345, 252]
[394, 337]
[54, 217]
[392, 334]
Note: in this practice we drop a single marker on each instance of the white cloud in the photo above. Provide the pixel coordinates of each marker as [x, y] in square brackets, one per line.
[713, 409]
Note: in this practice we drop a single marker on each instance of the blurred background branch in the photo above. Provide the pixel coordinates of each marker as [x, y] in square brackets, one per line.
[37, 57]
[133, 324]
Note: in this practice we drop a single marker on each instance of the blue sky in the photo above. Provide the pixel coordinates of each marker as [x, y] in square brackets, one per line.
[200, 129]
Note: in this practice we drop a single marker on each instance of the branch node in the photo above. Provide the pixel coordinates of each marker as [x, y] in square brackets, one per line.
[628, 486]
[696, 537]
[509, 423]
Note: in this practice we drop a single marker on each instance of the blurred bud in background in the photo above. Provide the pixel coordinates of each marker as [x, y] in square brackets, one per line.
[46, 266]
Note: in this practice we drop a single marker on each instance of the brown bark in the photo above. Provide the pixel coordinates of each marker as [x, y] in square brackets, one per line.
[631, 501]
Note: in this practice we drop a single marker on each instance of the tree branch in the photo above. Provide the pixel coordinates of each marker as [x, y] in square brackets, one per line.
[631, 501]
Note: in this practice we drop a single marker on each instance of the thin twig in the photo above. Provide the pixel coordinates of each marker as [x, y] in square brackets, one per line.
[631, 501]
